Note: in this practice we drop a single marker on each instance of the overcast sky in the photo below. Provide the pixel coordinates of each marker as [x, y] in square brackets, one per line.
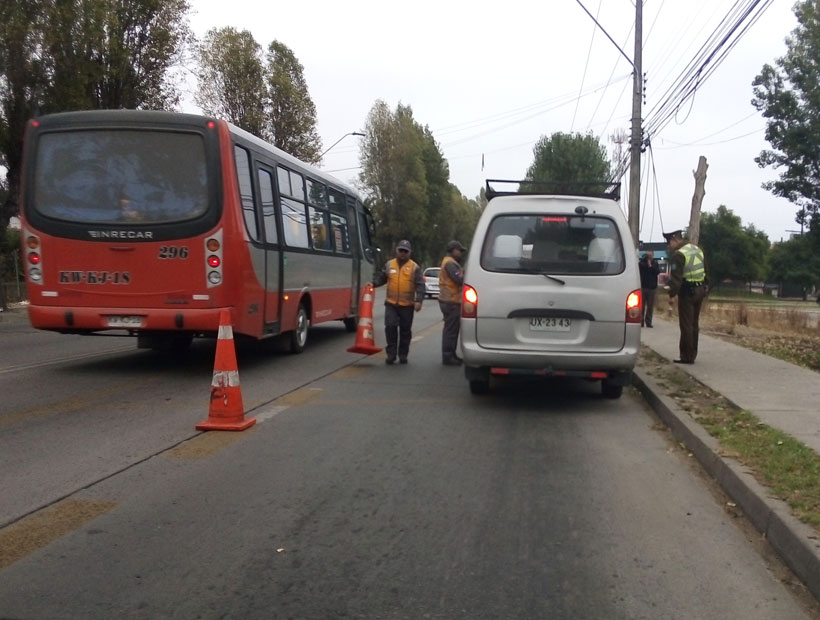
[490, 78]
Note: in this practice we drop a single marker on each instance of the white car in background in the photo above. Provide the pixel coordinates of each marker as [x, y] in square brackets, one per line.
[431, 281]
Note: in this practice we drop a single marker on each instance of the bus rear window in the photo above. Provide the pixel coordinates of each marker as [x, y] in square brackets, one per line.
[120, 176]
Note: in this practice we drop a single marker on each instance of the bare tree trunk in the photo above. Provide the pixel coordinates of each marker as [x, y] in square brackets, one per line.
[693, 232]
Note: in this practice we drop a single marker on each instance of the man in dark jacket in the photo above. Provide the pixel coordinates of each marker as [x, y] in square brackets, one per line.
[649, 284]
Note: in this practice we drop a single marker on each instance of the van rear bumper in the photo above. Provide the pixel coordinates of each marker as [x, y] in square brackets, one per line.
[551, 364]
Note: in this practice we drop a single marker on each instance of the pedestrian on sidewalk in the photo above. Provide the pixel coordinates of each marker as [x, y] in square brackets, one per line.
[405, 292]
[688, 282]
[451, 279]
[649, 269]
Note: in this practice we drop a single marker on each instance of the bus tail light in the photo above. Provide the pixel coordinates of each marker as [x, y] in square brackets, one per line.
[34, 258]
[213, 259]
[469, 302]
[633, 307]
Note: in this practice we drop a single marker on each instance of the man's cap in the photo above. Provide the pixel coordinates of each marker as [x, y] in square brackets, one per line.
[675, 234]
[455, 245]
[404, 244]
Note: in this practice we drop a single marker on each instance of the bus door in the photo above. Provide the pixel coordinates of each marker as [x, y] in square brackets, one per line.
[355, 272]
[273, 255]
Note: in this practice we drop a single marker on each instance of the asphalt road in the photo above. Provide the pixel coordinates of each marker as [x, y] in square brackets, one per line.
[363, 491]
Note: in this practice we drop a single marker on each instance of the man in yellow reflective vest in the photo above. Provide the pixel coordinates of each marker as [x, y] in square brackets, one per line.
[405, 292]
[450, 280]
[687, 282]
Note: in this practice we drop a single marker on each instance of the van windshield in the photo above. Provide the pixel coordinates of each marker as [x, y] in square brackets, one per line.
[553, 244]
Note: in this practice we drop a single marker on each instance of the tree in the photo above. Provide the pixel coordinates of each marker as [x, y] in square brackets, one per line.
[796, 262]
[562, 158]
[292, 112]
[406, 180]
[788, 95]
[59, 55]
[231, 80]
[732, 252]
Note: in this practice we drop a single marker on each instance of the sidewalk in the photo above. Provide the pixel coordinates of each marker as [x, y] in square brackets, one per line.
[782, 395]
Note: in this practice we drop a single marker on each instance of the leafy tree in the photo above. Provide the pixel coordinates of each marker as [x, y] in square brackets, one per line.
[564, 158]
[796, 262]
[21, 86]
[406, 179]
[59, 55]
[292, 112]
[231, 80]
[732, 252]
[788, 95]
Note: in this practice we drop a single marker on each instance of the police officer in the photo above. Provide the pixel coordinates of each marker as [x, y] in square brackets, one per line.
[450, 279]
[405, 292]
[687, 282]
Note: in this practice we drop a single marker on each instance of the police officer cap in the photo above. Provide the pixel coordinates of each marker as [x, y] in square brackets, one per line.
[404, 244]
[455, 245]
[675, 234]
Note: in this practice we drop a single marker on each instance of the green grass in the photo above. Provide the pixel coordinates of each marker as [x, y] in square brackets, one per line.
[790, 469]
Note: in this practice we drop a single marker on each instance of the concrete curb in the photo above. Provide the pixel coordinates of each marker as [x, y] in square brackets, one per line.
[796, 543]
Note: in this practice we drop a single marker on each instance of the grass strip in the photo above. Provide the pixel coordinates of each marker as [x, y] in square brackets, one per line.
[789, 468]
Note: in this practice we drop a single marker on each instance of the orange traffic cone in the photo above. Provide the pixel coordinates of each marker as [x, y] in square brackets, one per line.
[226, 411]
[364, 334]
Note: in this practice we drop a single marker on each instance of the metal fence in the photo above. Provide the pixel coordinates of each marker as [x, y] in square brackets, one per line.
[15, 291]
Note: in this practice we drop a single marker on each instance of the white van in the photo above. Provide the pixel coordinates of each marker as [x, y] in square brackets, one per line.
[551, 287]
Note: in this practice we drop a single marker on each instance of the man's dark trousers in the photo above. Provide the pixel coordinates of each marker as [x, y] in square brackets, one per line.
[449, 335]
[398, 325]
[648, 305]
[690, 300]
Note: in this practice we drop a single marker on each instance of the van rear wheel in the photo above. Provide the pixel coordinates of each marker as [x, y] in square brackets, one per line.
[479, 386]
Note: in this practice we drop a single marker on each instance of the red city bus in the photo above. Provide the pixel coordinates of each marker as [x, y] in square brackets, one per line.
[154, 222]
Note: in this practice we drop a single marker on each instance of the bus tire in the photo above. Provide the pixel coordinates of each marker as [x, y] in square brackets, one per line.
[298, 337]
[350, 324]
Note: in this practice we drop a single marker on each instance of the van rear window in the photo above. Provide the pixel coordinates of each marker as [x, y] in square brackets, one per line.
[553, 243]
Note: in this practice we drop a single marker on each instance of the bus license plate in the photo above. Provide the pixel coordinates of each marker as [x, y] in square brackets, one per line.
[550, 324]
[124, 320]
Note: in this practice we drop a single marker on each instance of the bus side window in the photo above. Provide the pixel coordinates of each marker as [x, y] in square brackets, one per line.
[268, 210]
[340, 233]
[318, 229]
[243, 175]
[295, 223]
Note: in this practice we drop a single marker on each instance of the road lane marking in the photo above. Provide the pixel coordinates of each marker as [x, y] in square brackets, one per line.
[61, 360]
[45, 526]
[71, 405]
[203, 446]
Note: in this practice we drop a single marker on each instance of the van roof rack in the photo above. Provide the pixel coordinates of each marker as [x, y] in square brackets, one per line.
[593, 189]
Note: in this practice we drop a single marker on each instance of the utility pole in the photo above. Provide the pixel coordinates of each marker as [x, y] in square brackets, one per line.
[637, 130]
[693, 232]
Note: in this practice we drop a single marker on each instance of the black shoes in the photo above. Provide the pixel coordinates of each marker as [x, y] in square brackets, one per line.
[682, 362]
[391, 359]
[451, 360]
[402, 360]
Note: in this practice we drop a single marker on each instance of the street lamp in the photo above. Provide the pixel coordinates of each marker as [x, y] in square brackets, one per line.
[352, 133]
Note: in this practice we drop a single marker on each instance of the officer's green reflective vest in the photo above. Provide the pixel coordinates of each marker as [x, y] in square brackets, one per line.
[694, 269]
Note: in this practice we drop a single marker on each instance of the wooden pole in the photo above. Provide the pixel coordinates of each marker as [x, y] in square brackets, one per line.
[693, 232]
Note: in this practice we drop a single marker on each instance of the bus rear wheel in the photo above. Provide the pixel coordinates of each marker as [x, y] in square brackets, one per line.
[298, 337]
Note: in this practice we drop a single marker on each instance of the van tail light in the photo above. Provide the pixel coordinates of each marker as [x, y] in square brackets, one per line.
[633, 306]
[469, 302]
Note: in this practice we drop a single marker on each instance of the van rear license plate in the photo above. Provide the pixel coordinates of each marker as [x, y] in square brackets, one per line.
[115, 320]
[550, 324]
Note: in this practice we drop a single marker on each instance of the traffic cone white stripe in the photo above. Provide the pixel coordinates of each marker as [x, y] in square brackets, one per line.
[225, 378]
[365, 321]
[225, 332]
